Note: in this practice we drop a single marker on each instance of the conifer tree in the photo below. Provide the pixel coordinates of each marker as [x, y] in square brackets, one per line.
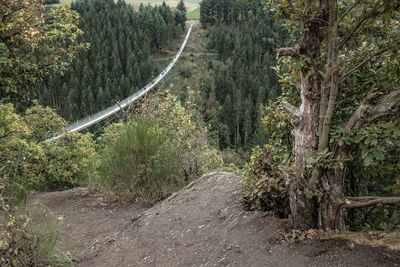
[180, 15]
[119, 59]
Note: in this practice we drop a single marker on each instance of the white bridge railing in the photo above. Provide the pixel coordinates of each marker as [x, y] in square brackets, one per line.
[101, 115]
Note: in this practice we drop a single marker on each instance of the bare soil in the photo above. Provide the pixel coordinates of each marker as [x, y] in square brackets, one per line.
[204, 224]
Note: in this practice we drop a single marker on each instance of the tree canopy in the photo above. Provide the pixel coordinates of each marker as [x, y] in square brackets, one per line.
[34, 42]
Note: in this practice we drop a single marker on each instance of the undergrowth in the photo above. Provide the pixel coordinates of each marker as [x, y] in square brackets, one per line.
[30, 240]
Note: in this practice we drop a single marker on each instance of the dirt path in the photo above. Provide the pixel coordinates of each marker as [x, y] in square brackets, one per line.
[204, 224]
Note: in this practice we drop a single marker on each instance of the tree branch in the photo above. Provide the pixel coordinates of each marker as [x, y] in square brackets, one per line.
[290, 108]
[368, 112]
[361, 202]
[389, 104]
[362, 109]
[333, 72]
[347, 12]
[287, 52]
[366, 60]
[359, 24]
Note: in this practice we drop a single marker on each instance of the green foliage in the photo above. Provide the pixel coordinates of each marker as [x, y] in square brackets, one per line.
[263, 180]
[186, 70]
[140, 163]
[264, 184]
[180, 14]
[30, 242]
[360, 115]
[224, 11]
[159, 151]
[242, 79]
[34, 42]
[30, 162]
[48, 2]
[119, 60]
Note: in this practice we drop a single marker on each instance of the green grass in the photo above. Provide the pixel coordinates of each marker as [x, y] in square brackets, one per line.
[194, 14]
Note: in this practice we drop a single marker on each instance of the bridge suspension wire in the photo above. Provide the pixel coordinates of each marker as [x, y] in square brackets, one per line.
[105, 113]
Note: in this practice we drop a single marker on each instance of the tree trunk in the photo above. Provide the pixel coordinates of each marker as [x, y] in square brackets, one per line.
[302, 205]
[302, 211]
[330, 216]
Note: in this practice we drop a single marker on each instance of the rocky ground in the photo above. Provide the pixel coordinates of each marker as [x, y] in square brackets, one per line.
[204, 224]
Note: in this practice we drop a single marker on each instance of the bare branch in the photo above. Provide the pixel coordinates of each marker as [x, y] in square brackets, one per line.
[362, 109]
[290, 108]
[361, 202]
[389, 104]
[296, 84]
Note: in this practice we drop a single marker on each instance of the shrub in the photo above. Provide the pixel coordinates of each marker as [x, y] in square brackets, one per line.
[186, 70]
[26, 242]
[264, 184]
[196, 155]
[157, 152]
[29, 162]
[140, 163]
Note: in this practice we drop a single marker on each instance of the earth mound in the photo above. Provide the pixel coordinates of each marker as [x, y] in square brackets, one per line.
[204, 224]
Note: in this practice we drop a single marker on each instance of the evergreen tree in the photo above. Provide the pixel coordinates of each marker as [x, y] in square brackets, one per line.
[243, 75]
[180, 15]
[119, 59]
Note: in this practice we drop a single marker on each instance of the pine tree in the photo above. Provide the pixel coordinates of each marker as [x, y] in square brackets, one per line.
[122, 40]
[180, 15]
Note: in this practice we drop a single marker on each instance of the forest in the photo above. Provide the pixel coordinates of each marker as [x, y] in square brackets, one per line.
[305, 95]
[118, 62]
[242, 79]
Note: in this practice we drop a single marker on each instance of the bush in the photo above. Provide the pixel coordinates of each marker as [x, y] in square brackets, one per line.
[159, 151]
[196, 155]
[29, 162]
[26, 242]
[186, 70]
[264, 184]
[140, 163]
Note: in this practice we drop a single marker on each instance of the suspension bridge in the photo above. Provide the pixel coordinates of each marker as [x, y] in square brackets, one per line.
[105, 113]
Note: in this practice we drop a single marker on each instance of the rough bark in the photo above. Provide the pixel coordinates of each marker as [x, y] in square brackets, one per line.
[304, 118]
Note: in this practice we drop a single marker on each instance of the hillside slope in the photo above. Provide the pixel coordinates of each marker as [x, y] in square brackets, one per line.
[204, 224]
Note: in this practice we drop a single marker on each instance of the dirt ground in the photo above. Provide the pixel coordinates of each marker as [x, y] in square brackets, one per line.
[204, 224]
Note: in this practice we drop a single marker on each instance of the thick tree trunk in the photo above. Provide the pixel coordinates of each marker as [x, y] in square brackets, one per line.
[330, 215]
[302, 206]
[304, 120]
[302, 211]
